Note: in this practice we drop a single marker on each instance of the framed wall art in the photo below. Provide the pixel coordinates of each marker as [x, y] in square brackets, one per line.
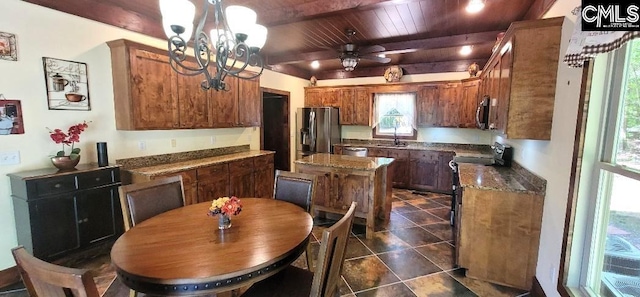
[10, 117]
[67, 84]
[8, 47]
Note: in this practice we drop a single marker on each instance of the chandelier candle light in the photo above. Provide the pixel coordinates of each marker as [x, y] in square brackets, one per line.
[236, 39]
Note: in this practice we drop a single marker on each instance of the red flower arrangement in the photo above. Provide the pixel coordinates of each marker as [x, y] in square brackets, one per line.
[225, 205]
[69, 139]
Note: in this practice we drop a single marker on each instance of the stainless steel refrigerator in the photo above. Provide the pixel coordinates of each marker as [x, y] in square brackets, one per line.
[318, 129]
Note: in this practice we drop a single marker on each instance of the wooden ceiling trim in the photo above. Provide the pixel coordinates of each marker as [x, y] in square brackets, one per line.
[107, 14]
[538, 9]
[419, 68]
[311, 10]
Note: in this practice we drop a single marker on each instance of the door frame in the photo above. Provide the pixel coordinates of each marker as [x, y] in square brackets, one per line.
[286, 97]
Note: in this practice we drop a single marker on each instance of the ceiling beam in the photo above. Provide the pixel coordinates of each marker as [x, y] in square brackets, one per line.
[538, 9]
[290, 70]
[418, 68]
[107, 14]
[410, 45]
[317, 9]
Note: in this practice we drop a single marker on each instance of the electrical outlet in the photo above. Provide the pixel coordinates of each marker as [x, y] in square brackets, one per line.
[142, 145]
[173, 143]
[10, 158]
[213, 140]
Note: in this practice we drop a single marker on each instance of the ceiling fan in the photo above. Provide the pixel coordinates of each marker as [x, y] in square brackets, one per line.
[350, 53]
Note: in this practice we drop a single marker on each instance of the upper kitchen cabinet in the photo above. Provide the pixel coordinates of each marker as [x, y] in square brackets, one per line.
[469, 95]
[144, 87]
[312, 97]
[440, 105]
[427, 106]
[520, 78]
[354, 102]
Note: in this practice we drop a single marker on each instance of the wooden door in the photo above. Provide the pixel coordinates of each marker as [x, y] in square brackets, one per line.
[469, 103]
[427, 108]
[347, 106]
[249, 103]
[400, 167]
[449, 105]
[504, 91]
[264, 175]
[312, 98]
[154, 91]
[224, 105]
[362, 107]
[241, 179]
[96, 214]
[423, 169]
[212, 182]
[351, 188]
[193, 101]
[53, 225]
[323, 184]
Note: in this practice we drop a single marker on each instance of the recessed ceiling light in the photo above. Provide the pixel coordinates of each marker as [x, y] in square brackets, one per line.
[382, 56]
[475, 6]
[465, 50]
[315, 64]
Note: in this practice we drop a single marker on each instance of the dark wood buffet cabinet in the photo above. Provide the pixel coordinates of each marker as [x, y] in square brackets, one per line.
[57, 213]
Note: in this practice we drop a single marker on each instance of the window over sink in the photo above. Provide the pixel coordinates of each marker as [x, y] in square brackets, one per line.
[394, 116]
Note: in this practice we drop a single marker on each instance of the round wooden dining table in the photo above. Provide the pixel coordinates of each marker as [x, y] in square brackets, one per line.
[182, 252]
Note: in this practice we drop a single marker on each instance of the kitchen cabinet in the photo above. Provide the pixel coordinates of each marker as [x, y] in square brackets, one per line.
[399, 168]
[354, 102]
[241, 179]
[522, 90]
[263, 176]
[347, 106]
[58, 213]
[449, 105]
[342, 181]
[189, 184]
[149, 95]
[470, 101]
[424, 170]
[330, 97]
[362, 107]
[312, 97]
[427, 107]
[213, 182]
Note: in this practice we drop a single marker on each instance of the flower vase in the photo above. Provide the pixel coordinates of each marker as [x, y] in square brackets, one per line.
[65, 162]
[224, 222]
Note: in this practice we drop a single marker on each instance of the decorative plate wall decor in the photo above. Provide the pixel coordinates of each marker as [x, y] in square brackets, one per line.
[8, 48]
[393, 73]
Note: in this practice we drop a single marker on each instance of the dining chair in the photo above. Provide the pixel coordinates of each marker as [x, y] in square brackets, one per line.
[324, 281]
[141, 201]
[299, 189]
[44, 279]
[294, 187]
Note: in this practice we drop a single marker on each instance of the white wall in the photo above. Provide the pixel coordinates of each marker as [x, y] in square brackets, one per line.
[552, 159]
[42, 32]
[442, 135]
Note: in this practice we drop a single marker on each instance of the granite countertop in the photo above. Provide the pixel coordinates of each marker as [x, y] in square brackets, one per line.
[343, 161]
[495, 178]
[195, 163]
[464, 150]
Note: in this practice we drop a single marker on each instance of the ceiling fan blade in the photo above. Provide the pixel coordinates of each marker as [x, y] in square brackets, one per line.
[371, 49]
[377, 59]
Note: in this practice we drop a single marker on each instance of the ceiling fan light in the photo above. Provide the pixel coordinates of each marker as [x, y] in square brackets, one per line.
[465, 50]
[349, 63]
[177, 12]
[475, 6]
[240, 19]
[257, 36]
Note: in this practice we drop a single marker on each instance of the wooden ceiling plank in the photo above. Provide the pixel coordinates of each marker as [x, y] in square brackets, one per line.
[397, 21]
[417, 16]
[383, 16]
[407, 19]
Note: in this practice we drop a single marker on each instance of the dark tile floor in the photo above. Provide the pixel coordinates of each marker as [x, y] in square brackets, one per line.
[411, 256]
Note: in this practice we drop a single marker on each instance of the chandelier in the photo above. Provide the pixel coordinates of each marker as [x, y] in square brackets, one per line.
[236, 40]
[349, 61]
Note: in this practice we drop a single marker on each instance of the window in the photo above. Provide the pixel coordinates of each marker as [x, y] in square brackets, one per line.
[605, 257]
[394, 116]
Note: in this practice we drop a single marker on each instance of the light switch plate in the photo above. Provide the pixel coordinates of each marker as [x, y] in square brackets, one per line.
[10, 158]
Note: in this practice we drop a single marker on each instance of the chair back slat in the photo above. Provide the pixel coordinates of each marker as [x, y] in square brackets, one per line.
[297, 188]
[142, 201]
[326, 278]
[44, 279]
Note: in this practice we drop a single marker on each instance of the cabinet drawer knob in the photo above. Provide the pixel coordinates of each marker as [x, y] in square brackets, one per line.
[97, 179]
[57, 186]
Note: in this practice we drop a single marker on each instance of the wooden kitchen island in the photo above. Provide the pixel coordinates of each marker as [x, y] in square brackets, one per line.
[343, 179]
